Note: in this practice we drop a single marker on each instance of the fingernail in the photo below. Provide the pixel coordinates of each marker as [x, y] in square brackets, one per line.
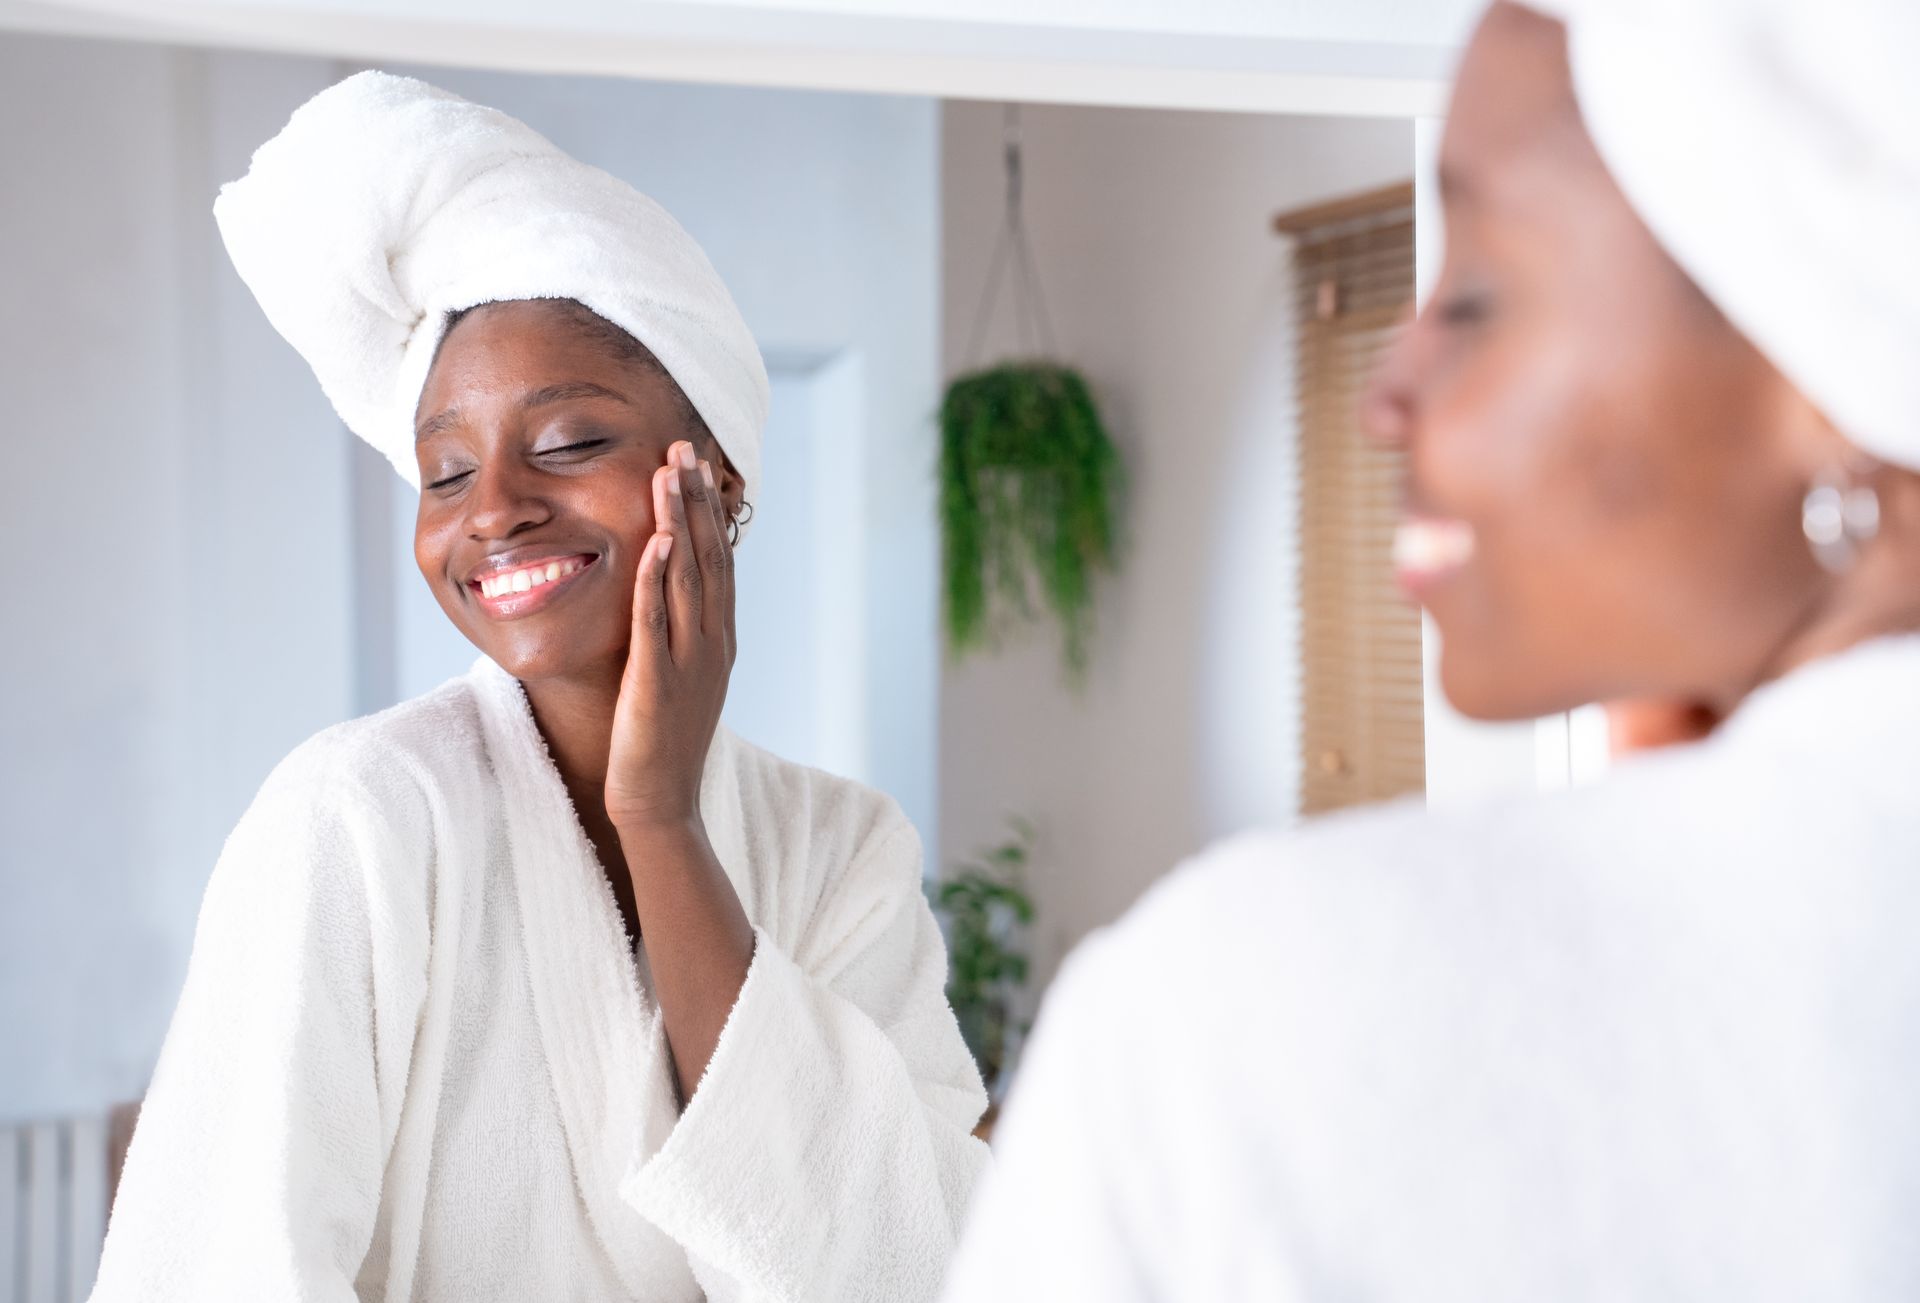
[673, 485]
[706, 473]
[666, 544]
[687, 458]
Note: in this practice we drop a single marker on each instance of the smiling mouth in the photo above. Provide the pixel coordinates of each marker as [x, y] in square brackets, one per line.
[525, 589]
[1427, 548]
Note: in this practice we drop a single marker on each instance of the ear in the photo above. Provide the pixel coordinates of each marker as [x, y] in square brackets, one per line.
[733, 486]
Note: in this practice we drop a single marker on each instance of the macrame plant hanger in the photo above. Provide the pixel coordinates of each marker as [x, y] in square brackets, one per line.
[1012, 258]
[1029, 479]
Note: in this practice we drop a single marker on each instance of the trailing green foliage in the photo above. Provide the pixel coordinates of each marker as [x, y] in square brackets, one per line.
[985, 907]
[1029, 494]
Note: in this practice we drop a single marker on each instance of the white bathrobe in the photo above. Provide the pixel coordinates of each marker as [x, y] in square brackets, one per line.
[1656, 1039]
[415, 1058]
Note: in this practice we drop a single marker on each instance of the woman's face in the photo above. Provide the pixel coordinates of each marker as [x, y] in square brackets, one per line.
[1629, 468]
[537, 444]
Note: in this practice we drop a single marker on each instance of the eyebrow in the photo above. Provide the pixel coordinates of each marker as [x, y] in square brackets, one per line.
[565, 391]
[571, 389]
[436, 423]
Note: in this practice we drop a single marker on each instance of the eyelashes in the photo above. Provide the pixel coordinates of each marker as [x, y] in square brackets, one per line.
[451, 480]
[1465, 309]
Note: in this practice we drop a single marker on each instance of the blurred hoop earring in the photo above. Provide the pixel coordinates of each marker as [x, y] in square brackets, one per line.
[735, 522]
[1839, 516]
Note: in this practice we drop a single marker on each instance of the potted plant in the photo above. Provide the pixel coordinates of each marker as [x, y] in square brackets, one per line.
[985, 910]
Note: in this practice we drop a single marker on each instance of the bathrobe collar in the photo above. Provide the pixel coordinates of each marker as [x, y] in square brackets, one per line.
[604, 1039]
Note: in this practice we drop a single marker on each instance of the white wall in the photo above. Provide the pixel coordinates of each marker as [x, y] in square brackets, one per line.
[1167, 286]
[1394, 22]
[211, 568]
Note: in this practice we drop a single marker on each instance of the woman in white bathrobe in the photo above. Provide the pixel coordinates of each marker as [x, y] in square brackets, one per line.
[543, 985]
[1653, 1039]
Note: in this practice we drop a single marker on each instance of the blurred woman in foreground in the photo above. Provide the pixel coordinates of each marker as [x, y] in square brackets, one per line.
[1656, 1038]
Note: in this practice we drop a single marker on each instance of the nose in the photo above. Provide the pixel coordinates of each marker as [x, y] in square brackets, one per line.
[500, 504]
[1387, 404]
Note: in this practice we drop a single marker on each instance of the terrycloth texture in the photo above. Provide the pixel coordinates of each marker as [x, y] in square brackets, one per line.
[1656, 1039]
[414, 1059]
[1771, 147]
[385, 202]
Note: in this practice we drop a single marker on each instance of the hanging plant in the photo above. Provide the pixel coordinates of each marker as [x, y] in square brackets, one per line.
[1028, 486]
[1030, 483]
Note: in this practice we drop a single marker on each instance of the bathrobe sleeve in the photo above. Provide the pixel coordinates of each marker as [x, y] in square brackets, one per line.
[255, 1167]
[827, 1153]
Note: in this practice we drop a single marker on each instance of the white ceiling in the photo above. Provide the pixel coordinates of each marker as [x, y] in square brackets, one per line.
[1369, 57]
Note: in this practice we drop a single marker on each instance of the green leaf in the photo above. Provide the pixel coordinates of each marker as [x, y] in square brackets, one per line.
[1030, 486]
[982, 905]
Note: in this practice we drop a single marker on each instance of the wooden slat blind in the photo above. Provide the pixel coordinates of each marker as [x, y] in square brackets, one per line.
[1362, 731]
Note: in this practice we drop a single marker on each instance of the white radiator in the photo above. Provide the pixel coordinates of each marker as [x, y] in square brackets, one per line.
[53, 1209]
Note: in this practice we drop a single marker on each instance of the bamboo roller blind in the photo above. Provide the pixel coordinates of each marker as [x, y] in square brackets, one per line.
[1362, 730]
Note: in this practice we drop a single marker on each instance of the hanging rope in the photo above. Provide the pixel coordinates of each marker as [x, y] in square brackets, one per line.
[1031, 324]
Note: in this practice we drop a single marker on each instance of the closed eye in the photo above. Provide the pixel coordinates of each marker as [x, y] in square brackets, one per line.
[571, 447]
[1464, 309]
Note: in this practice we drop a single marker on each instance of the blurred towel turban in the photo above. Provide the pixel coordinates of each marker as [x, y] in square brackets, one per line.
[1773, 148]
[384, 203]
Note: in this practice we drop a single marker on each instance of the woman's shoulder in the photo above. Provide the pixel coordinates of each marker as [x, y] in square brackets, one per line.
[1397, 889]
[391, 758]
[349, 814]
[1402, 861]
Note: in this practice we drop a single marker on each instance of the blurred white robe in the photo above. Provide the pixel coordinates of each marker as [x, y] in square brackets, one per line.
[1655, 1039]
[415, 1058]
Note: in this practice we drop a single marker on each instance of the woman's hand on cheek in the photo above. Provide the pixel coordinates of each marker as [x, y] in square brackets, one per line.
[681, 654]
[699, 941]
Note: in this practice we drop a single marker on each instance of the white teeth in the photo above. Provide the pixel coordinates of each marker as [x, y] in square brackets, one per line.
[520, 581]
[1425, 546]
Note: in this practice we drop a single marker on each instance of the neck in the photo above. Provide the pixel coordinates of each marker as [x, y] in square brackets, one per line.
[1878, 598]
[575, 716]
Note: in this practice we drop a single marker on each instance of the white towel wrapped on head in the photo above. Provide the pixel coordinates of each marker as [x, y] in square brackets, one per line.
[385, 203]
